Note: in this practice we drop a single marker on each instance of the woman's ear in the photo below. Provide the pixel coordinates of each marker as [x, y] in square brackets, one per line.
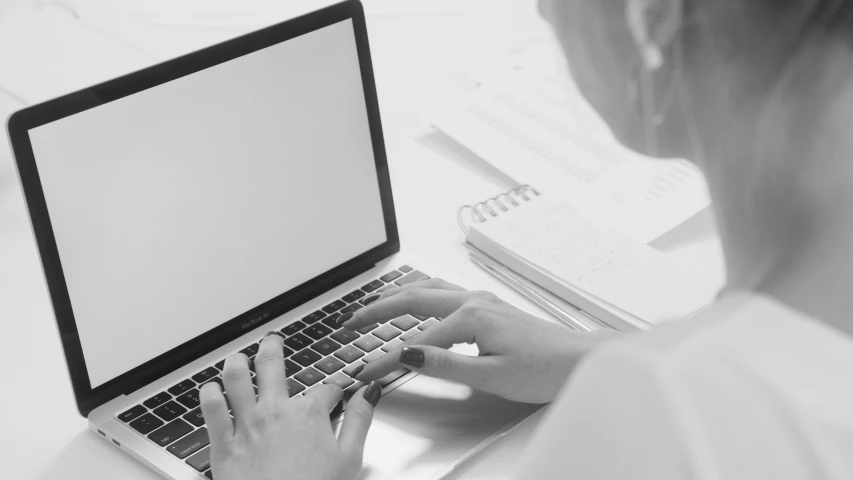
[653, 24]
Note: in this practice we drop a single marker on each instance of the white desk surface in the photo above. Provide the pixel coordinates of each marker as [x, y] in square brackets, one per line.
[421, 53]
[420, 50]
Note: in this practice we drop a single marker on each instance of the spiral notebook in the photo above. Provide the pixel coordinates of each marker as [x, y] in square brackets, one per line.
[568, 264]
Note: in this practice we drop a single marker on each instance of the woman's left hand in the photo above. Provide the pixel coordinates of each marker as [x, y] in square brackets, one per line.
[278, 437]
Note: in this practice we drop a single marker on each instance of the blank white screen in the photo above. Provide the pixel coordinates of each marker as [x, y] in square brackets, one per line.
[180, 207]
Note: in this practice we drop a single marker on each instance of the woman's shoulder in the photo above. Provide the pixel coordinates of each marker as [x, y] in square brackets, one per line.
[743, 326]
[752, 345]
[688, 399]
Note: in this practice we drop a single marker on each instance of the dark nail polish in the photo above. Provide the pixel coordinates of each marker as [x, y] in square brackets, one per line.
[413, 357]
[370, 299]
[344, 318]
[357, 370]
[373, 393]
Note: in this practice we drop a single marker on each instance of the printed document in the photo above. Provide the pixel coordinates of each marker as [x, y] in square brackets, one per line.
[530, 128]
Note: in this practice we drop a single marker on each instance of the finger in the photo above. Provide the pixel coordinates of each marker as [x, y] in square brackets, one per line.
[238, 384]
[434, 283]
[327, 396]
[478, 372]
[450, 331]
[357, 420]
[214, 409]
[269, 367]
[427, 302]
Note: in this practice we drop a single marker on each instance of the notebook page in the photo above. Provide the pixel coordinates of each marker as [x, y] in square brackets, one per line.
[554, 238]
[530, 127]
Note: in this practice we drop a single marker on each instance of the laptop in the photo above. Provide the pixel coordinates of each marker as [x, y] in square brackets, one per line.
[184, 210]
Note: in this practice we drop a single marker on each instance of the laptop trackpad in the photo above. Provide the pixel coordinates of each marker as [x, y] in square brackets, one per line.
[421, 429]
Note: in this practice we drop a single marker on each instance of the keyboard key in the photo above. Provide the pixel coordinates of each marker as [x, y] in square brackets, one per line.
[351, 308]
[427, 324]
[170, 411]
[326, 346]
[286, 352]
[409, 335]
[251, 350]
[291, 367]
[157, 400]
[146, 424]
[332, 321]
[293, 328]
[392, 275]
[344, 336]
[314, 317]
[368, 343]
[195, 417]
[132, 413]
[200, 461]
[373, 286]
[391, 345]
[353, 296]
[351, 367]
[170, 432]
[182, 387]
[189, 399]
[405, 322]
[373, 356]
[334, 306]
[190, 444]
[298, 342]
[340, 380]
[349, 354]
[209, 474]
[405, 269]
[309, 376]
[306, 357]
[220, 365]
[415, 276]
[386, 332]
[386, 287]
[392, 377]
[419, 317]
[317, 331]
[205, 375]
[329, 365]
[294, 387]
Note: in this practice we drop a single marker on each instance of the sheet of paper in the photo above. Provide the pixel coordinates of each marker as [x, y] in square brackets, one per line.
[530, 127]
[553, 237]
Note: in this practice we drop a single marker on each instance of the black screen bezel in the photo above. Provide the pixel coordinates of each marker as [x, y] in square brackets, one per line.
[22, 121]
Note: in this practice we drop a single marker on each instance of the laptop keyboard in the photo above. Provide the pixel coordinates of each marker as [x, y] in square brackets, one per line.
[316, 351]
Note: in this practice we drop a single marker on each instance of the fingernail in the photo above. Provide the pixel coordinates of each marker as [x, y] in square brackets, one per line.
[357, 370]
[413, 357]
[373, 393]
[370, 299]
[343, 318]
[273, 332]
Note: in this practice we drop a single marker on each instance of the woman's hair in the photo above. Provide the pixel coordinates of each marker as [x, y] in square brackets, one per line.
[767, 37]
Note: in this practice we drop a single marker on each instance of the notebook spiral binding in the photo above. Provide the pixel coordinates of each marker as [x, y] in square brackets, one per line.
[478, 211]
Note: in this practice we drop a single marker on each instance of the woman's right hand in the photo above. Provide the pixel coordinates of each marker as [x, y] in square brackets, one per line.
[522, 358]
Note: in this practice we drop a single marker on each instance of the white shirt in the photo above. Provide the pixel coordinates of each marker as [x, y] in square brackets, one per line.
[747, 389]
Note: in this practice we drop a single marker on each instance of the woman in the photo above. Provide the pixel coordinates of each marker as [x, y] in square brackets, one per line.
[758, 93]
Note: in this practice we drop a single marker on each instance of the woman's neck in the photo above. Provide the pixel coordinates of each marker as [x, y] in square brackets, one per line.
[785, 208]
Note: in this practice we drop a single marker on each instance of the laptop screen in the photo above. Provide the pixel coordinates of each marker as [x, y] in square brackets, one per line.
[180, 207]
